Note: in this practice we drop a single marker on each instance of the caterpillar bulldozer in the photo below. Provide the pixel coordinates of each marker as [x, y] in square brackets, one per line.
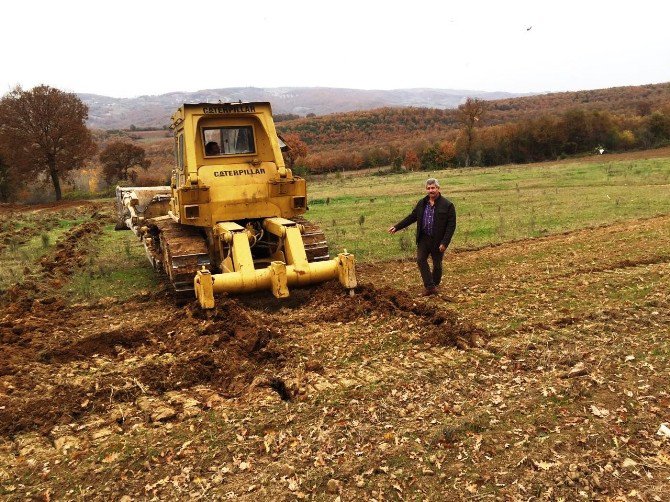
[232, 218]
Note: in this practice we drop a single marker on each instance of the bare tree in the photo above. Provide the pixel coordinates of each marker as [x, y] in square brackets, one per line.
[470, 115]
[43, 131]
[119, 157]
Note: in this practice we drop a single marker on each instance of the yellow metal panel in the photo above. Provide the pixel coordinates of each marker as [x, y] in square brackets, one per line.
[242, 259]
[277, 226]
[279, 281]
[295, 249]
[229, 174]
[204, 288]
[346, 268]
[230, 226]
[240, 211]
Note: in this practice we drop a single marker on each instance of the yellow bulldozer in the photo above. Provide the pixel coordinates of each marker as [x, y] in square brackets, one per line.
[231, 219]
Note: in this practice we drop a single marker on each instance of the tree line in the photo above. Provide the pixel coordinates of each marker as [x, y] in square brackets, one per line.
[470, 139]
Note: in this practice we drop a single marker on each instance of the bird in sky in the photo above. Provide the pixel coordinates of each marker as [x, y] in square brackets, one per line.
[529, 28]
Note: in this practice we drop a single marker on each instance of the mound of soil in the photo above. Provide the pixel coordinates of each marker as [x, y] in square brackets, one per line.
[168, 349]
[70, 252]
[330, 303]
[107, 343]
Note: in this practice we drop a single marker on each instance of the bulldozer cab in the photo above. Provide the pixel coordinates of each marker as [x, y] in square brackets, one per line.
[229, 166]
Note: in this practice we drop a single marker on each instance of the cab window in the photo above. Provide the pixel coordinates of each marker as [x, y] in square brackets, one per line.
[235, 140]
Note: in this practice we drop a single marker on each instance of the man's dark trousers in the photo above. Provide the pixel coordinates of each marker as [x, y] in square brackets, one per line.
[426, 247]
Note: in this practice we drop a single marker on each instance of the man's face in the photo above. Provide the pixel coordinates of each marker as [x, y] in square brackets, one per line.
[432, 191]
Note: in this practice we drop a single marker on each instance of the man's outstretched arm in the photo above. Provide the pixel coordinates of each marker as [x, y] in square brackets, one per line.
[405, 222]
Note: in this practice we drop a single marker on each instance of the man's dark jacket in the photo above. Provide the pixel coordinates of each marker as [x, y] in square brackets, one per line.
[444, 223]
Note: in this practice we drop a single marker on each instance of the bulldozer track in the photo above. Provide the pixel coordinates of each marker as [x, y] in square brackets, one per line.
[182, 252]
[314, 240]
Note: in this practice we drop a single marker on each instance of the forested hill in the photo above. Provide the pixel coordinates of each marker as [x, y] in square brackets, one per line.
[371, 127]
[517, 130]
[631, 100]
[387, 124]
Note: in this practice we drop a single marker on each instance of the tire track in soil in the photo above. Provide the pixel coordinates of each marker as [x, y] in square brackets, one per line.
[615, 226]
[30, 307]
[602, 316]
[618, 265]
[31, 313]
[46, 218]
[19, 236]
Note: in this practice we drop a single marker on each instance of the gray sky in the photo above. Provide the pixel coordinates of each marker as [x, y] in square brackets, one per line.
[131, 48]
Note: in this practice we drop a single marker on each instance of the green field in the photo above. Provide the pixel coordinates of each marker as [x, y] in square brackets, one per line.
[493, 205]
[355, 210]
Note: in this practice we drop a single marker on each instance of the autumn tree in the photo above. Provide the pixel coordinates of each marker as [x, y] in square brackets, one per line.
[643, 108]
[7, 188]
[43, 132]
[411, 160]
[433, 157]
[448, 150]
[119, 157]
[658, 126]
[470, 115]
[297, 149]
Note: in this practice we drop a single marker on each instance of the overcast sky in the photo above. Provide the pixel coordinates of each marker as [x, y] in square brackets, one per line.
[131, 48]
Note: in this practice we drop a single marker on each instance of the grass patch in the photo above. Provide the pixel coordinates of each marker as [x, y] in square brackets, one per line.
[493, 205]
[117, 266]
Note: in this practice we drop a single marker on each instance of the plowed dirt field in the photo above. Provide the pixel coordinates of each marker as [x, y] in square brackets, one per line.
[539, 372]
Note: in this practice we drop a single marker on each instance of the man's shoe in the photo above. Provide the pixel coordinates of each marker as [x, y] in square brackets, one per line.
[429, 292]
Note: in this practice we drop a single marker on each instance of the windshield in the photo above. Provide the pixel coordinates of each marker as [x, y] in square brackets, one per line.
[228, 140]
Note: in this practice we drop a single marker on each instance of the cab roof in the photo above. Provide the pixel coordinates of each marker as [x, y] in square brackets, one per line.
[227, 104]
[220, 108]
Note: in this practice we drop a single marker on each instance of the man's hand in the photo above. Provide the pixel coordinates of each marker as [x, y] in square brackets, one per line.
[442, 248]
[392, 230]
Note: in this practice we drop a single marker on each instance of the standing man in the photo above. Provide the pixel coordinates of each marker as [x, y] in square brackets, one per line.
[435, 217]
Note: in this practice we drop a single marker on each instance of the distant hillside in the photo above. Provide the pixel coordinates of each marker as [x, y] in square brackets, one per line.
[369, 128]
[155, 111]
[637, 100]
